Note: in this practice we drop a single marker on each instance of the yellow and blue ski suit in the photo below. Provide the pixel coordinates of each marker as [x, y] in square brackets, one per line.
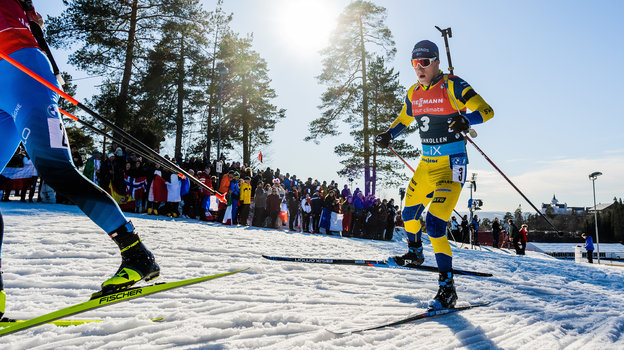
[441, 172]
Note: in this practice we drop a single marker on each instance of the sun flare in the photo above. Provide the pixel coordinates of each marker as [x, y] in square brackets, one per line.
[305, 25]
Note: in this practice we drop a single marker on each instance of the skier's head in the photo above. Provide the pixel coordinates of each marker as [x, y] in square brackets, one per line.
[426, 61]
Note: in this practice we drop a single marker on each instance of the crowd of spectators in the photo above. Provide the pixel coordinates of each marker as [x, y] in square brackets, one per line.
[262, 198]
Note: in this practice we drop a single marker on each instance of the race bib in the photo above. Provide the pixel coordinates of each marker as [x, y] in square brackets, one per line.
[459, 164]
[58, 137]
[459, 173]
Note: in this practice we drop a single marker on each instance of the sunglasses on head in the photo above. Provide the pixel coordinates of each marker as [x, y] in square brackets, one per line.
[423, 62]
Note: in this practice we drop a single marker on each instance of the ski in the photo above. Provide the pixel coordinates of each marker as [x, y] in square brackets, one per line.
[109, 299]
[390, 263]
[4, 322]
[7, 322]
[428, 314]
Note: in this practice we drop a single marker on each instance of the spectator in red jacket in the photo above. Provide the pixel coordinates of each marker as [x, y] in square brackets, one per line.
[523, 238]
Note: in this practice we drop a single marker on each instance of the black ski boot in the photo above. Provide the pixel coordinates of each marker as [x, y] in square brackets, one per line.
[446, 297]
[414, 256]
[137, 263]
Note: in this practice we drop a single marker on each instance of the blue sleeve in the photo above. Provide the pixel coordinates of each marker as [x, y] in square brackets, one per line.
[474, 117]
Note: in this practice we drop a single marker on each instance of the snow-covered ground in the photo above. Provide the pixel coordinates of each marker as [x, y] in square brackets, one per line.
[54, 256]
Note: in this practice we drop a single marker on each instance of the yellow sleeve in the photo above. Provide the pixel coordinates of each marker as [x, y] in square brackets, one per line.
[405, 118]
[466, 97]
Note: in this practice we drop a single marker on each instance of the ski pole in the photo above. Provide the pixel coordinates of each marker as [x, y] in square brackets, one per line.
[511, 183]
[38, 34]
[119, 141]
[145, 148]
[401, 158]
[447, 33]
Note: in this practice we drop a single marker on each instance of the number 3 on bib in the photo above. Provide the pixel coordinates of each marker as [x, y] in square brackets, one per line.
[459, 173]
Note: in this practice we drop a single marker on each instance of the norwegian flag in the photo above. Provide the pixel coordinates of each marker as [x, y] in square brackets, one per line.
[135, 186]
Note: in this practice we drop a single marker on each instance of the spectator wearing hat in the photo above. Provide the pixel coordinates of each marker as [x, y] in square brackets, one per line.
[589, 246]
[245, 200]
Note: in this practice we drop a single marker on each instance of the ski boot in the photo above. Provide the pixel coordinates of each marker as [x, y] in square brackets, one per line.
[414, 256]
[446, 297]
[137, 263]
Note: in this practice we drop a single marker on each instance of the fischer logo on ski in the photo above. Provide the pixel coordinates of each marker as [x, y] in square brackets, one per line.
[120, 295]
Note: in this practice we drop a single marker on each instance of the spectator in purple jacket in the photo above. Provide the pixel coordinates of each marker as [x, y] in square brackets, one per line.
[346, 192]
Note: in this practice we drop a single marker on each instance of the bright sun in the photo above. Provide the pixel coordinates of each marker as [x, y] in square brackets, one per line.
[305, 25]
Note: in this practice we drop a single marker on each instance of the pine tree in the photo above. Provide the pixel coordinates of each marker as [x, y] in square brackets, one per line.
[247, 96]
[176, 70]
[114, 36]
[386, 99]
[218, 29]
[361, 30]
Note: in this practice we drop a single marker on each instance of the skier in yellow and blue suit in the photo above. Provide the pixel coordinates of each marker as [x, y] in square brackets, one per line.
[438, 104]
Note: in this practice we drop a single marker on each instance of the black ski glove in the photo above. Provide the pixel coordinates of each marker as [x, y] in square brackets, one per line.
[459, 123]
[383, 139]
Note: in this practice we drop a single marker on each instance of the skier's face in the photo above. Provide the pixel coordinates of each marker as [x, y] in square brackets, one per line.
[426, 74]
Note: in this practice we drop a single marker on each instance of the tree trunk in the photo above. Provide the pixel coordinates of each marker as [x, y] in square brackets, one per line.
[375, 127]
[246, 122]
[365, 131]
[180, 107]
[211, 91]
[121, 110]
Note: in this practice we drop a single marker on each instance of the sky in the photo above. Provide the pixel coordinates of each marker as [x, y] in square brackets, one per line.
[550, 70]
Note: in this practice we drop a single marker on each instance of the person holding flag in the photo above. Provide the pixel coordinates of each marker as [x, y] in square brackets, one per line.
[438, 103]
[29, 114]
